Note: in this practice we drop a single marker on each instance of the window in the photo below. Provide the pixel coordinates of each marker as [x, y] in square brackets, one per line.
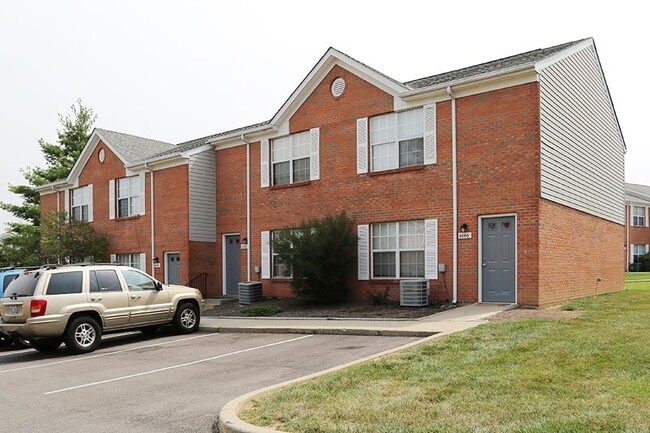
[398, 250]
[290, 158]
[8, 279]
[638, 216]
[637, 252]
[279, 269]
[23, 285]
[104, 281]
[128, 196]
[132, 260]
[80, 204]
[65, 283]
[397, 140]
[137, 281]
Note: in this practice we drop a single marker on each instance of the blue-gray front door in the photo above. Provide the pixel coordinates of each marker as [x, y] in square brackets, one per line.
[232, 264]
[498, 256]
[173, 268]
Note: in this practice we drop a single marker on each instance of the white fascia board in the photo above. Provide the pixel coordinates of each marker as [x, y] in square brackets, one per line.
[86, 153]
[168, 161]
[237, 135]
[331, 58]
[476, 80]
[569, 51]
[52, 187]
[196, 151]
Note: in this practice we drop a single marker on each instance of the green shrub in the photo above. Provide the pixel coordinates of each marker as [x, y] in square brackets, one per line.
[645, 259]
[261, 311]
[320, 257]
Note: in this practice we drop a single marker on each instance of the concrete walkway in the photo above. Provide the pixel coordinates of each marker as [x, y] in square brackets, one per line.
[431, 327]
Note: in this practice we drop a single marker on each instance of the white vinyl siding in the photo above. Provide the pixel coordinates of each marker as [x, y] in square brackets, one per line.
[295, 158]
[129, 196]
[81, 203]
[582, 150]
[638, 216]
[203, 197]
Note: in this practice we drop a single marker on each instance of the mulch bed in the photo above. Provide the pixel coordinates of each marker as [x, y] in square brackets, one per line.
[347, 310]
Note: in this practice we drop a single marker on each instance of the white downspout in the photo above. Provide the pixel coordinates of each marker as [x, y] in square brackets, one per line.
[454, 183]
[248, 207]
[628, 254]
[58, 200]
[153, 239]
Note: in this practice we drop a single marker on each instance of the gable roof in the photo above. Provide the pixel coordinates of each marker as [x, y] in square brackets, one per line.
[132, 148]
[637, 192]
[526, 58]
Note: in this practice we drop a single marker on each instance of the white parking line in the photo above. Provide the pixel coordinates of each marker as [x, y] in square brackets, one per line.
[172, 367]
[99, 355]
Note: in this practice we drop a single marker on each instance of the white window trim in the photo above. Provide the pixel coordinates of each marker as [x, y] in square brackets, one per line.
[397, 250]
[130, 208]
[644, 216]
[395, 164]
[272, 258]
[291, 159]
[142, 260]
[88, 203]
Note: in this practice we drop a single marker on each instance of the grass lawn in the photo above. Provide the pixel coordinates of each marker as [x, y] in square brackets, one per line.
[631, 276]
[590, 374]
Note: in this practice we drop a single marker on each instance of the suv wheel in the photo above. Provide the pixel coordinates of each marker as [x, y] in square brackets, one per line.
[187, 318]
[83, 335]
[46, 344]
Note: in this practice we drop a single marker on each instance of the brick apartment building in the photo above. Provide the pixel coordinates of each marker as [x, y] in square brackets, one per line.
[500, 182]
[637, 225]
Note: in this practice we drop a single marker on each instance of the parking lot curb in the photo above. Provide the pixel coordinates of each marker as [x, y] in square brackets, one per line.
[229, 422]
[320, 331]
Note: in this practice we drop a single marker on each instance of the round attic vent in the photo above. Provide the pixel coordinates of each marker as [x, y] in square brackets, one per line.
[101, 156]
[338, 87]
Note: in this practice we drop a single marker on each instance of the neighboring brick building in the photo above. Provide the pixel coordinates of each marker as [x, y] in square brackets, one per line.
[637, 224]
[508, 175]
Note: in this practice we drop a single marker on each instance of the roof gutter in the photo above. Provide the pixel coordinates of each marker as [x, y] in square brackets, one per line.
[441, 87]
[145, 164]
[240, 134]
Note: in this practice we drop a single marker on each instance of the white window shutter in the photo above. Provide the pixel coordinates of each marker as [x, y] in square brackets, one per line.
[266, 254]
[143, 262]
[430, 145]
[90, 203]
[363, 253]
[66, 204]
[113, 258]
[142, 190]
[111, 199]
[314, 154]
[264, 163]
[362, 145]
[431, 249]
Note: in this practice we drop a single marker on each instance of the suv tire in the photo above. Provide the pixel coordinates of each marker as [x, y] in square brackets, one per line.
[46, 344]
[83, 335]
[186, 319]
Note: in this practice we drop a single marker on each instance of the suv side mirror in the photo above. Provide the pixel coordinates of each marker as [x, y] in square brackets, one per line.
[158, 285]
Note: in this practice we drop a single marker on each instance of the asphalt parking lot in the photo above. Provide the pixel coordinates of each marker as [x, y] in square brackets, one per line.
[170, 383]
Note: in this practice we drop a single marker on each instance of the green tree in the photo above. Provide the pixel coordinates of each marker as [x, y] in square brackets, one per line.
[320, 257]
[22, 243]
[73, 241]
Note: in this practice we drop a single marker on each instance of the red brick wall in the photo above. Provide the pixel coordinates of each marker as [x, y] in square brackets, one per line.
[48, 203]
[498, 173]
[637, 235]
[577, 249]
[493, 128]
[203, 259]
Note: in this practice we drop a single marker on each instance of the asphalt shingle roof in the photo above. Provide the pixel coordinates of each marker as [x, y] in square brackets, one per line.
[483, 68]
[636, 192]
[131, 147]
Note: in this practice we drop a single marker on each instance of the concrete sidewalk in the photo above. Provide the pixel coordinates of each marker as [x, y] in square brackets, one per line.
[453, 320]
[431, 327]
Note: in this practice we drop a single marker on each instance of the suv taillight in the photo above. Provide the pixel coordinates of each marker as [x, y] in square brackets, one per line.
[37, 307]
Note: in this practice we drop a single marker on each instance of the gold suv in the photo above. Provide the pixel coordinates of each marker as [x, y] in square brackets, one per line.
[76, 304]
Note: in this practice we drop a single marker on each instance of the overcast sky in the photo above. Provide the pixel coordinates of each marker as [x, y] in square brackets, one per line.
[178, 70]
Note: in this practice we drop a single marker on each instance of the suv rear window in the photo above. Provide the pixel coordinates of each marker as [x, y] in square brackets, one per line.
[8, 279]
[64, 283]
[23, 285]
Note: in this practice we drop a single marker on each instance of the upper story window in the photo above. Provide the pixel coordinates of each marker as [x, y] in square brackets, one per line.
[398, 249]
[80, 203]
[397, 140]
[638, 216]
[129, 190]
[290, 158]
